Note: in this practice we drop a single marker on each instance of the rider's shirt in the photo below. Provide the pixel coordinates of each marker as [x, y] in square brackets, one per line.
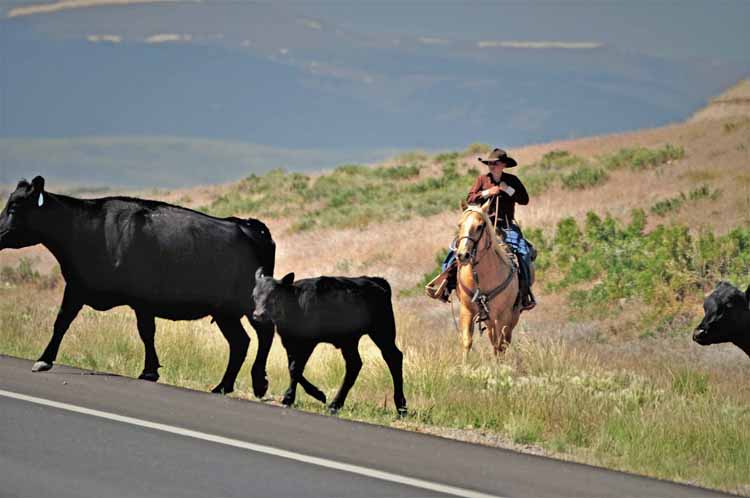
[507, 203]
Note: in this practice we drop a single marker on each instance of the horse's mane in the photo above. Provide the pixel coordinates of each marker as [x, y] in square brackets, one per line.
[499, 245]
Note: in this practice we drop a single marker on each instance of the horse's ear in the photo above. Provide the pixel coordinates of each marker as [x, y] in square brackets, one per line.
[259, 273]
[463, 205]
[486, 206]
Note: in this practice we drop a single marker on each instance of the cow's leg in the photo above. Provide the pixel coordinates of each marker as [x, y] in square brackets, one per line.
[353, 366]
[312, 390]
[147, 330]
[394, 358]
[258, 372]
[71, 305]
[297, 354]
[238, 344]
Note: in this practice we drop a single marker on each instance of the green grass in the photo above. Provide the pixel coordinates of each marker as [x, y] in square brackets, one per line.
[666, 206]
[605, 262]
[673, 424]
[639, 158]
[351, 196]
[584, 177]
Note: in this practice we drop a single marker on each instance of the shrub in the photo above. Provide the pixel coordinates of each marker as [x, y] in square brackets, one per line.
[639, 158]
[558, 159]
[663, 207]
[584, 177]
[664, 267]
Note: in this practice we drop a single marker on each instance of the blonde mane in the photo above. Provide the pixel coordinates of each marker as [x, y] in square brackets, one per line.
[500, 247]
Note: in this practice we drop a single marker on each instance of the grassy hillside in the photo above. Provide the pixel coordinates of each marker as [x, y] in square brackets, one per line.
[632, 230]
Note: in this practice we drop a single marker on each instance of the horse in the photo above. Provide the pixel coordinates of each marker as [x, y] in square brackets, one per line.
[488, 280]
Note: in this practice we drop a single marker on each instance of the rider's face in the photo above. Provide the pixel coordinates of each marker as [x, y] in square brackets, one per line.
[496, 168]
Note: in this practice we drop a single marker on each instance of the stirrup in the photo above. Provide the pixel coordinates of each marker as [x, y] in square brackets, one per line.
[437, 288]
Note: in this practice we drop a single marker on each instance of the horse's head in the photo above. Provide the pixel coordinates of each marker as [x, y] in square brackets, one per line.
[473, 226]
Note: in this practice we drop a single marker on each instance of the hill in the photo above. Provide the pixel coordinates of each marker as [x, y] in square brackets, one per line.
[632, 229]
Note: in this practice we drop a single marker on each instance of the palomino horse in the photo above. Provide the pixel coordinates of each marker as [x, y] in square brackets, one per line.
[487, 280]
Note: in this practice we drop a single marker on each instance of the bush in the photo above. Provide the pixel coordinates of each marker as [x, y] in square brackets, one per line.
[663, 268]
[558, 159]
[663, 207]
[639, 158]
[350, 196]
[584, 177]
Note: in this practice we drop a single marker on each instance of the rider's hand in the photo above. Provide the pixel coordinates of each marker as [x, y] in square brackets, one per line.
[492, 191]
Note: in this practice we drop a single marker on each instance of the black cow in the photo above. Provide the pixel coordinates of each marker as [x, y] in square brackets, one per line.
[336, 310]
[161, 260]
[727, 318]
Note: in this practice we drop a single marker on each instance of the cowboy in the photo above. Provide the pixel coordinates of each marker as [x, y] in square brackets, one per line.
[504, 191]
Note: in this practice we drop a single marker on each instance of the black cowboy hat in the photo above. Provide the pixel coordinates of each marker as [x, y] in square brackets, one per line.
[499, 155]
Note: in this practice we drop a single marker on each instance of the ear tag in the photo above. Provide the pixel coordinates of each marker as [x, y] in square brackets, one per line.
[40, 202]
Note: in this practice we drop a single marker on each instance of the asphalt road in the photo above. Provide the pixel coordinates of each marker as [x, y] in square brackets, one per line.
[69, 432]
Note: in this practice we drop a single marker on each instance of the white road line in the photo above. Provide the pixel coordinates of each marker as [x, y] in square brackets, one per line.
[258, 448]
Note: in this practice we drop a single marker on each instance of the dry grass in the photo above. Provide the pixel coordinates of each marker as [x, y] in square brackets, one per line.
[678, 385]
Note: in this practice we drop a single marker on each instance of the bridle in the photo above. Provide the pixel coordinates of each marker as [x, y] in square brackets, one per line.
[474, 244]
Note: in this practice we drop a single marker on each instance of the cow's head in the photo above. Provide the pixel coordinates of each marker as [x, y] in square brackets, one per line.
[20, 220]
[268, 295]
[727, 316]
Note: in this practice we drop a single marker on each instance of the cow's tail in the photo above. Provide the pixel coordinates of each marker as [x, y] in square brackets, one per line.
[387, 322]
[384, 284]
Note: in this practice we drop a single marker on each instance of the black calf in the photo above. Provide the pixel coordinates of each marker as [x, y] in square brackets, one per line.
[336, 310]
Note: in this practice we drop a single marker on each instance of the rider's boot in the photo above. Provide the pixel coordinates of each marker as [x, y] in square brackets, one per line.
[528, 302]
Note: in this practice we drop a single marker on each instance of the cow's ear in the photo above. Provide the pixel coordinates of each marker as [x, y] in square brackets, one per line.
[463, 205]
[259, 273]
[288, 279]
[38, 184]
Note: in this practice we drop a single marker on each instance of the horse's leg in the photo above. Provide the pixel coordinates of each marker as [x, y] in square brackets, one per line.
[466, 322]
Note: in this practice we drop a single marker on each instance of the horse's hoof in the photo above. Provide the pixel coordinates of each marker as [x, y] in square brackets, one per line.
[333, 409]
[41, 366]
[149, 376]
[401, 411]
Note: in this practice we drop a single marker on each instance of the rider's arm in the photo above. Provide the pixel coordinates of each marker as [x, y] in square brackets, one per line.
[520, 196]
[475, 194]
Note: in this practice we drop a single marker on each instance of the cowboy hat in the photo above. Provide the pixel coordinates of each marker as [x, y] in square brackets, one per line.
[499, 155]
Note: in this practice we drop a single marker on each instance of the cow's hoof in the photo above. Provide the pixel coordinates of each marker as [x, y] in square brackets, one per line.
[149, 376]
[220, 389]
[260, 388]
[41, 366]
[320, 396]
